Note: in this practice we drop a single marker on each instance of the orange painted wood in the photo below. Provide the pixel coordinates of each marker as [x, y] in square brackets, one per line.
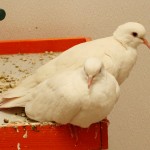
[37, 46]
[50, 137]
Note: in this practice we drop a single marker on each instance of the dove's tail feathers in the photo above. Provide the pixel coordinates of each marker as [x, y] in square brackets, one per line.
[15, 93]
[19, 96]
[22, 88]
[14, 102]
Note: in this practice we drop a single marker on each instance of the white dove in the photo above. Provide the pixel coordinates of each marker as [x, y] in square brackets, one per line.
[80, 97]
[118, 54]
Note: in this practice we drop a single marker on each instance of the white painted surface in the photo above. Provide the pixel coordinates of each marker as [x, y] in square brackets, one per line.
[130, 123]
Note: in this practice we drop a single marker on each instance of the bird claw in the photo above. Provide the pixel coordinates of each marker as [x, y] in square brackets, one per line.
[106, 121]
[73, 131]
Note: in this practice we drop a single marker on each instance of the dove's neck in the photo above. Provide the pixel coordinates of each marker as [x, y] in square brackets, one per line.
[125, 41]
[122, 43]
[127, 44]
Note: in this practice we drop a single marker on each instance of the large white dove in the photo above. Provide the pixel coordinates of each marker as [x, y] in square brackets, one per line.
[80, 97]
[118, 54]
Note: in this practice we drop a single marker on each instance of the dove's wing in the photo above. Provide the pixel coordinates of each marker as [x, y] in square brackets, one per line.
[56, 100]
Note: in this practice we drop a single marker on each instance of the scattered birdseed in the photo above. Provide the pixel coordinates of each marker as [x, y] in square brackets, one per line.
[23, 114]
[26, 134]
[17, 67]
[33, 127]
[18, 146]
[17, 129]
[6, 120]
[46, 52]
[41, 58]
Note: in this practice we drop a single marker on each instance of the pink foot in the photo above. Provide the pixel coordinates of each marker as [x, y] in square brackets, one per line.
[74, 132]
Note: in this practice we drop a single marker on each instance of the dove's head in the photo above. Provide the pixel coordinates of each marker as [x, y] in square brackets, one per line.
[131, 34]
[93, 67]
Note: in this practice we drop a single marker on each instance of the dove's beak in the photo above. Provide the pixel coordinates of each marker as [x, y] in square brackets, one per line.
[90, 80]
[146, 42]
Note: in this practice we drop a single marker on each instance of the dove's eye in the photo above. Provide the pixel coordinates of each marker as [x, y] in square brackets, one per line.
[134, 34]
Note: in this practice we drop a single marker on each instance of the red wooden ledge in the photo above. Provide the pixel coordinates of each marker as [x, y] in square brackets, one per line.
[40, 45]
[49, 137]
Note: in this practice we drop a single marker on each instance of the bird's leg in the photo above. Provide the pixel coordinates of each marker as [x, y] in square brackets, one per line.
[73, 131]
[105, 121]
[97, 131]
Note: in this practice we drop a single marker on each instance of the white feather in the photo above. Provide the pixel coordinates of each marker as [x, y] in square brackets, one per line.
[66, 98]
[117, 52]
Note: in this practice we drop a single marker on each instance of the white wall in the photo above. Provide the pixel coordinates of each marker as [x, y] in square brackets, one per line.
[130, 120]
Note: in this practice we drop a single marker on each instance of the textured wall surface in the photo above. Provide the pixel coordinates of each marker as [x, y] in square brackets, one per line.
[130, 120]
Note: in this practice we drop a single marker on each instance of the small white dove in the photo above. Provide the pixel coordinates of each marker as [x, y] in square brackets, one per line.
[80, 97]
[118, 54]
